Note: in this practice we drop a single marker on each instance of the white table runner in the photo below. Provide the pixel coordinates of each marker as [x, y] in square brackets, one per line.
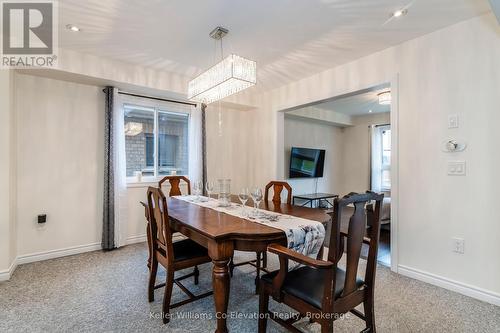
[303, 235]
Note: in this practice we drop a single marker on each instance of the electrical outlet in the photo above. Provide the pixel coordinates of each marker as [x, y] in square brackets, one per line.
[458, 245]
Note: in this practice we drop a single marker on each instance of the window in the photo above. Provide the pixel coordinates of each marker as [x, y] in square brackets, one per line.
[386, 158]
[156, 141]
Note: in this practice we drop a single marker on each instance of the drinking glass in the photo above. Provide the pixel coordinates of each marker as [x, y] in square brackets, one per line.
[243, 196]
[224, 192]
[210, 188]
[257, 198]
[197, 189]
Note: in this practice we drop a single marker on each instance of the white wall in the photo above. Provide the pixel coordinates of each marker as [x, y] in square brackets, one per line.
[229, 145]
[308, 134]
[453, 70]
[356, 153]
[7, 174]
[60, 138]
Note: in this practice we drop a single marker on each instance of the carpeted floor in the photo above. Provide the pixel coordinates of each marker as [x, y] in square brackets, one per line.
[106, 292]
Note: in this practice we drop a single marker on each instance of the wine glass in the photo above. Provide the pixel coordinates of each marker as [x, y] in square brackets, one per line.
[210, 188]
[197, 189]
[243, 196]
[257, 198]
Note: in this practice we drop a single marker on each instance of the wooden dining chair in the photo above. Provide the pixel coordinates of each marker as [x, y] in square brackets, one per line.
[148, 234]
[173, 256]
[320, 287]
[260, 263]
[175, 188]
[278, 187]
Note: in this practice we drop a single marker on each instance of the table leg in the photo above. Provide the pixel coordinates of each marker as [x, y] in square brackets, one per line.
[221, 254]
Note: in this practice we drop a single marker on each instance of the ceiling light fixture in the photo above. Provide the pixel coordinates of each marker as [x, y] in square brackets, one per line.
[231, 75]
[399, 13]
[73, 28]
[370, 111]
[384, 98]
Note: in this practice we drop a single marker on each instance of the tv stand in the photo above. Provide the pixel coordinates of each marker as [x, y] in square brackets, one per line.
[312, 197]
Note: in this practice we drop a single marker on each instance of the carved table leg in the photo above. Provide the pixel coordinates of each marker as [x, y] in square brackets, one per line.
[221, 254]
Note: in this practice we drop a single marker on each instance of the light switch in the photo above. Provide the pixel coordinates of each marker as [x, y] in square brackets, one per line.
[456, 168]
[453, 121]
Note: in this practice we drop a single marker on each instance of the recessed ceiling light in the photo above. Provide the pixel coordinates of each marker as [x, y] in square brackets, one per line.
[370, 111]
[399, 13]
[72, 27]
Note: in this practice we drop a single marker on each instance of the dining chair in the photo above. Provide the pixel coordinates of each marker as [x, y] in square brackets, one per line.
[175, 188]
[320, 289]
[260, 263]
[277, 189]
[173, 256]
[148, 234]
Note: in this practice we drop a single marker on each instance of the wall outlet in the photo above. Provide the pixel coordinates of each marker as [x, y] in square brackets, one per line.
[458, 245]
[453, 121]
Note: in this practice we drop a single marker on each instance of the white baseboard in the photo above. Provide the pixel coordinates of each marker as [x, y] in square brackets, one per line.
[52, 254]
[7, 273]
[459, 287]
[135, 239]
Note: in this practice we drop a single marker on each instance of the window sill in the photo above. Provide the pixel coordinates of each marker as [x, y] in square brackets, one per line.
[144, 183]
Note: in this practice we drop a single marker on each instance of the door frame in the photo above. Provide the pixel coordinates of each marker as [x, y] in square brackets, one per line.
[394, 116]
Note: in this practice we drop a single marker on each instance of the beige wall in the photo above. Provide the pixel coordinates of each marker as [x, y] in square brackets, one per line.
[455, 70]
[356, 152]
[60, 145]
[7, 175]
[308, 134]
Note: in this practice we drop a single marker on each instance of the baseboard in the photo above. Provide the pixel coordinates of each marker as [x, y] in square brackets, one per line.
[52, 254]
[7, 273]
[135, 239]
[459, 287]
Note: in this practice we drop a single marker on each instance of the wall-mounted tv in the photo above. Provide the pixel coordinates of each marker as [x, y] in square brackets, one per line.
[306, 162]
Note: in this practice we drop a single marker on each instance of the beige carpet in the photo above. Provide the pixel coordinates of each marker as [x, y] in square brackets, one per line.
[106, 292]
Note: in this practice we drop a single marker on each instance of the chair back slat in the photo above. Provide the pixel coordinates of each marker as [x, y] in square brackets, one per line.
[356, 231]
[161, 233]
[175, 188]
[278, 187]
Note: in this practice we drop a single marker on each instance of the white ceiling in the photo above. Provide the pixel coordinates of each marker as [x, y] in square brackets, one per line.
[289, 39]
[359, 104]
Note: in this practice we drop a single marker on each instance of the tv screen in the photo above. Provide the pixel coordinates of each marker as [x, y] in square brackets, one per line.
[306, 162]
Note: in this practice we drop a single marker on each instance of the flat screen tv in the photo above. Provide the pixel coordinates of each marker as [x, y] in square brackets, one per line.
[306, 162]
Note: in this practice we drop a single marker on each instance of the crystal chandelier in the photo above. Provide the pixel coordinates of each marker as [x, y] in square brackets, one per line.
[231, 75]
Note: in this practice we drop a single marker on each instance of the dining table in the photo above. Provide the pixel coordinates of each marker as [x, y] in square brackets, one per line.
[222, 234]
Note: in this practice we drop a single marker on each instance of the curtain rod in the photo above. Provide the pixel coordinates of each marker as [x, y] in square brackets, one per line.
[379, 125]
[156, 98]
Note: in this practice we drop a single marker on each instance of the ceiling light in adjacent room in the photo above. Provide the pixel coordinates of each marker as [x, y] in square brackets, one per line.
[231, 75]
[73, 28]
[399, 13]
[384, 98]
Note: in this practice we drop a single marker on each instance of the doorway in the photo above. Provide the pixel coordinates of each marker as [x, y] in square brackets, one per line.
[358, 132]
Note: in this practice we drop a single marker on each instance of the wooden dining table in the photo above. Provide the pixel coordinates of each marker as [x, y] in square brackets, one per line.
[222, 234]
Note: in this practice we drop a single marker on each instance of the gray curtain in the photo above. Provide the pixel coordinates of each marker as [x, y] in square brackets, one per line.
[108, 222]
